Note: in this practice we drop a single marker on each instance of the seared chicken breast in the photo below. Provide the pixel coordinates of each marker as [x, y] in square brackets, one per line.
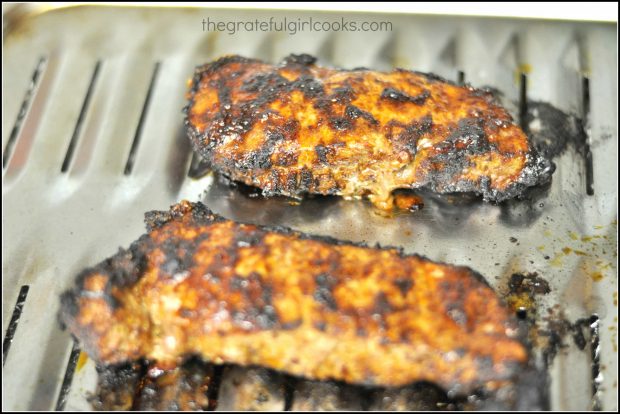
[298, 128]
[198, 284]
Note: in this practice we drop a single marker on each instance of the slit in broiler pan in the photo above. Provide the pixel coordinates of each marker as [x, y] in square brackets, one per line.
[56, 223]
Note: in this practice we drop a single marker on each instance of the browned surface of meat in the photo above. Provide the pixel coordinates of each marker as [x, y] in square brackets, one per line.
[198, 284]
[299, 128]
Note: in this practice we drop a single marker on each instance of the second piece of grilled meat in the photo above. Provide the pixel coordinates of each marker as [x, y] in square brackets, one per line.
[299, 128]
[198, 284]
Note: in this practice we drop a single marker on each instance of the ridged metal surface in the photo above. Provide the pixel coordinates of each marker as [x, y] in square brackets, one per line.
[112, 81]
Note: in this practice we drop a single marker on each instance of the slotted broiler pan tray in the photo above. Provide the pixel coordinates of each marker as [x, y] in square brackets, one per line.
[92, 138]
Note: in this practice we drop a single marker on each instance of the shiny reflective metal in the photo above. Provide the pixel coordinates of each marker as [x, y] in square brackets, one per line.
[92, 136]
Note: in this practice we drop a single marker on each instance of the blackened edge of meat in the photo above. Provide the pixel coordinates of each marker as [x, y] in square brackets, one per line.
[536, 172]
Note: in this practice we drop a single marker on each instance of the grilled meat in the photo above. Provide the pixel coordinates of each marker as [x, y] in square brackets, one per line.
[300, 128]
[198, 284]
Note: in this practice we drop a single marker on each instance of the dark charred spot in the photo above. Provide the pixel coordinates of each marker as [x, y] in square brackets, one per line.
[325, 280]
[407, 138]
[323, 105]
[381, 304]
[286, 158]
[202, 215]
[340, 123]
[69, 308]
[310, 86]
[323, 291]
[290, 182]
[469, 137]
[361, 332]
[259, 159]
[354, 112]
[127, 266]
[259, 310]
[264, 82]
[324, 296]
[291, 325]
[156, 219]
[321, 326]
[305, 179]
[400, 96]
[321, 153]
[267, 318]
[404, 285]
[277, 184]
[238, 283]
[223, 95]
[302, 59]
[343, 94]
[452, 157]
[290, 129]
[430, 76]
[273, 137]
[179, 254]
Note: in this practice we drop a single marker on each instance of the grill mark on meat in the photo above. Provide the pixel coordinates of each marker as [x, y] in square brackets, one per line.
[400, 96]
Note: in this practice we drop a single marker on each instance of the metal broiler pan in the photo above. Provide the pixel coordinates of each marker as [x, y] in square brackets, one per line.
[92, 137]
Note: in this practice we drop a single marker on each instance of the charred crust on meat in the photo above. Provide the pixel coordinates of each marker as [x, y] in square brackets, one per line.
[322, 152]
[301, 59]
[291, 324]
[382, 304]
[409, 134]
[324, 296]
[309, 86]
[354, 112]
[69, 306]
[340, 123]
[404, 285]
[278, 169]
[429, 76]
[400, 96]
[320, 325]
